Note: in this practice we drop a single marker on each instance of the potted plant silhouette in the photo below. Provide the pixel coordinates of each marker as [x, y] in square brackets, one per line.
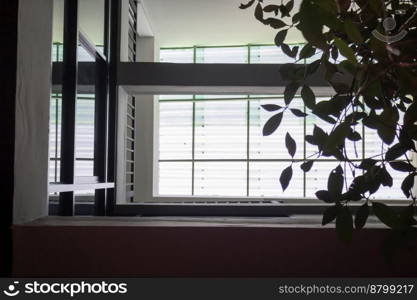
[367, 53]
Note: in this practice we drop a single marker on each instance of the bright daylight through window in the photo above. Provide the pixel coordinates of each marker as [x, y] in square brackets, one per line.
[212, 145]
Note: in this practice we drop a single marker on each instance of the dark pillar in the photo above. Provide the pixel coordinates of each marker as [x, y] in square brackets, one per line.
[8, 65]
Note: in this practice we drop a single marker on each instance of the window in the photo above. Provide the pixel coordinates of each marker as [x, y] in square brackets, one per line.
[212, 145]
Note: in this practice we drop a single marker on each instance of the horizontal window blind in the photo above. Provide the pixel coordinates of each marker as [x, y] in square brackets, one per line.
[211, 145]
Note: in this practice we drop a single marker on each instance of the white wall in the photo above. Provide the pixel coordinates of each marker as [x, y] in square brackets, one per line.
[32, 109]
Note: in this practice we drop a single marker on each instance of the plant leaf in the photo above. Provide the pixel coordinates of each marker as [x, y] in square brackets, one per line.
[272, 124]
[402, 166]
[353, 32]
[306, 166]
[395, 152]
[298, 113]
[385, 214]
[329, 214]
[275, 23]
[285, 178]
[335, 182]
[408, 184]
[280, 37]
[259, 13]
[290, 144]
[307, 51]
[345, 50]
[324, 196]
[247, 5]
[272, 8]
[271, 107]
[308, 97]
[344, 224]
[290, 91]
[361, 216]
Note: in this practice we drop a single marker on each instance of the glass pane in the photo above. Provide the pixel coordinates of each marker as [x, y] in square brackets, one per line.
[91, 20]
[268, 55]
[221, 130]
[316, 178]
[273, 146]
[175, 97]
[175, 178]
[84, 136]
[177, 55]
[394, 192]
[227, 55]
[221, 97]
[264, 180]
[55, 115]
[175, 130]
[220, 179]
[373, 144]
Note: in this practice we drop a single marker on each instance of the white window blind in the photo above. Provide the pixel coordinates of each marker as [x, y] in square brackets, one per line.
[211, 145]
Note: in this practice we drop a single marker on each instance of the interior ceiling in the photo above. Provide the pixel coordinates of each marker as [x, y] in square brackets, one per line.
[177, 23]
[208, 22]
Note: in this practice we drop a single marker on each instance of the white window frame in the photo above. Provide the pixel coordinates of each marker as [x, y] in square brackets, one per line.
[147, 153]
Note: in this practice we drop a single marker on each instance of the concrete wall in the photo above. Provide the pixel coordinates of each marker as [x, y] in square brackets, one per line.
[32, 109]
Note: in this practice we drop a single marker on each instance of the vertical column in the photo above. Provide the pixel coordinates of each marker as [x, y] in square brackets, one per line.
[69, 96]
[100, 135]
[8, 28]
[114, 59]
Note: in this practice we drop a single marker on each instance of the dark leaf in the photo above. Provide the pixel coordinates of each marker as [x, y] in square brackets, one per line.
[324, 196]
[275, 23]
[351, 195]
[329, 214]
[345, 50]
[386, 133]
[291, 52]
[271, 107]
[385, 214]
[280, 37]
[259, 13]
[311, 140]
[307, 51]
[367, 163]
[290, 144]
[272, 8]
[344, 224]
[410, 116]
[402, 166]
[395, 152]
[353, 32]
[298, 113]
[407, 185]
[338, 136]
[361, 216]
[290, 91]
[308, 96]
[335, 182]
[247, 5]
[272, 124]
[385, 177]
[319, 135]
[285, 177]
[306, 166]
[289, 6]
[354, 136]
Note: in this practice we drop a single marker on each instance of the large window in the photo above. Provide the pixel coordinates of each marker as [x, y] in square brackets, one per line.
[212, 145]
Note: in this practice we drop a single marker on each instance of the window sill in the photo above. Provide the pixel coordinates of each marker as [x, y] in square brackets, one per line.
[295, 221]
